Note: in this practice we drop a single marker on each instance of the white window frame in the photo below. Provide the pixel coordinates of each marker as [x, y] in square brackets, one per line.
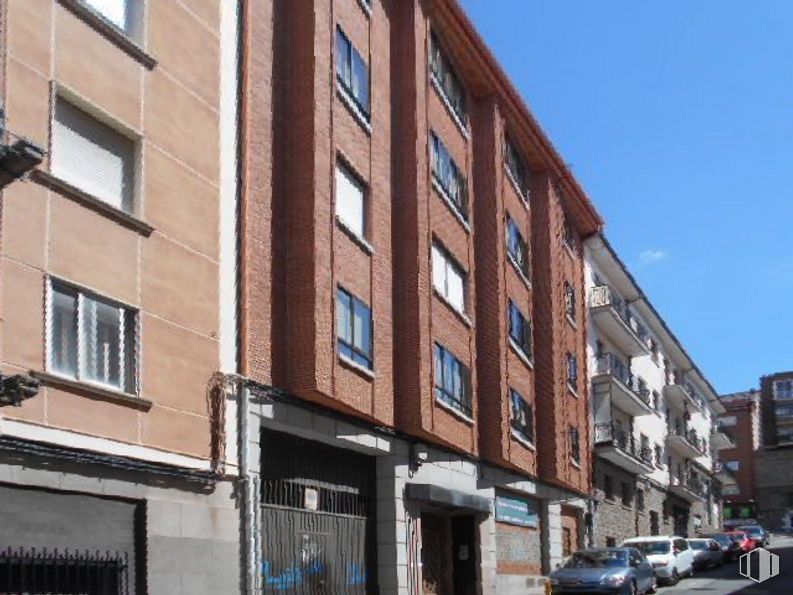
[131, 387]
[448, 263]
[134, 12]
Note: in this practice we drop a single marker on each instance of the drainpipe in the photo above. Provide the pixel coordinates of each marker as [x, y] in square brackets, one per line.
[248, 491]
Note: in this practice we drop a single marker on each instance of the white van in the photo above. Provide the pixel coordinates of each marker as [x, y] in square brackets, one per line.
[671, 557]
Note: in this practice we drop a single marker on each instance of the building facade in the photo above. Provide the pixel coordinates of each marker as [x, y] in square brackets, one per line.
[110, 279]
[411, 308]
[655, 436]
[772, 472]
[742, 423]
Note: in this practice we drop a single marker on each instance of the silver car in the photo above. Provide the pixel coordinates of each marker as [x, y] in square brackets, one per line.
[707, 553]
[613, 570]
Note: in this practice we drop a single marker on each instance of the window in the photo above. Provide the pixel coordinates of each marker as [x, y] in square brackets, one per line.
[611, 542]
[350, 201]
[447, 80]
[449, 177]
[352, 72]
[572, 370]
[575, 445]
[120, 13]
[516, 168]
[520, 330]
[608, 487]
[657, 400]
[783, 390]
[732, 465]
[568, 235]
[659, 456]
[92, 339]
[522, 416]
[517, 248]
[627, 496]
[654, 350]
[640, 500]
[452, 380]
[92, 156]
[569, 300]
[448, 278]
[354, 321]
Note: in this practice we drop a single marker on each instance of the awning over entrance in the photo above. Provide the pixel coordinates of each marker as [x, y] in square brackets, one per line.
[446, 497]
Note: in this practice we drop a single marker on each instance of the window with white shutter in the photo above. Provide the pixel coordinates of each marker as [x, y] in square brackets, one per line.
[448, 278]
[350, 201]
[93, 156]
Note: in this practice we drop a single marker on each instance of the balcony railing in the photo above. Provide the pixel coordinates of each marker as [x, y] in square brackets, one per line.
[619, 437]
[610, 364]
[680, 428]
[689, 481]
[603, 295]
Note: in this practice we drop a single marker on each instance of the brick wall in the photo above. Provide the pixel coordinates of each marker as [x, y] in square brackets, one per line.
[517, 550]
[745, 412]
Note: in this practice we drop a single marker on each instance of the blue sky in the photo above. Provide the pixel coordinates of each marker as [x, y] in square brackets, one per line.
[677, 118]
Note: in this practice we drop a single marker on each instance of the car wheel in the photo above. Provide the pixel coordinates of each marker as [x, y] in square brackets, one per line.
[631, 589]
[675, 577]
[653, 588]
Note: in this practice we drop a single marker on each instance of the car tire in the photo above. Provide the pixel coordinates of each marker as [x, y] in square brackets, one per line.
[631, 589]
[675, 577]
[653, 588]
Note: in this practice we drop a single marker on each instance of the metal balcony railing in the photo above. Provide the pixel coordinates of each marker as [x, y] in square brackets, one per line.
[610, 364]
[619, 437]
[604, 295]
[680, 428]
[18, 155]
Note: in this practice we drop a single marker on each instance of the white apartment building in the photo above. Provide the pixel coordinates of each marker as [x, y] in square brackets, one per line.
[654, 414]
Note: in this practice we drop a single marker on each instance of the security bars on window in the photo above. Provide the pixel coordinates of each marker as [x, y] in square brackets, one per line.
[449, 176]
[452, 381]
[91, 339]
[355, 330]
[520, 330]
[352, 72]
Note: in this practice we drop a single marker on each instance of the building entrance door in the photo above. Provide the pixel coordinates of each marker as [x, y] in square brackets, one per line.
[448, 554]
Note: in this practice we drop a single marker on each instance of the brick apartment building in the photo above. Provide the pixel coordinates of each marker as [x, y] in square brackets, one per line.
[656, 438]
[110, 278]
[742, 422]
[412, 318]
[774, 487]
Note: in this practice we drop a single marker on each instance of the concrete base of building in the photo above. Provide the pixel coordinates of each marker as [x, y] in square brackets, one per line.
[420, 488]
[176, 536]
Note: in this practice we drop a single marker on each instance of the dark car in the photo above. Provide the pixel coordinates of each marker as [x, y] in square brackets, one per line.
[757, 533]
[730, 548]
[612, 570]
[707, 553]
[742, 537]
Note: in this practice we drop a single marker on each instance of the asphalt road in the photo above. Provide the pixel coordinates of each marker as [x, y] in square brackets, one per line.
[728, 581]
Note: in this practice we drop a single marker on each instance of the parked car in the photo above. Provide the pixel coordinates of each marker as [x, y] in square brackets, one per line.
[611, 570]
[707, 553]
[670, 556]
[757, 533]
[747, 543]
[730, 548]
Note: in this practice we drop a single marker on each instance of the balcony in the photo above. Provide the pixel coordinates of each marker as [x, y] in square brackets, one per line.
[620, 448]
[628, 392]
[18, 156]
[723, 475]
[688, 486]
[685, 441]
[681, 394]
[720, 437]
[613, 316]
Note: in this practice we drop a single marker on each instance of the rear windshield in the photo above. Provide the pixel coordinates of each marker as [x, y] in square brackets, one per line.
[738, 536]
[698, 545]
[598, 559]
[648, 548]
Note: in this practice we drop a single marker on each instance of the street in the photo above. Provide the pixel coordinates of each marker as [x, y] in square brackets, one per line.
[726, 580]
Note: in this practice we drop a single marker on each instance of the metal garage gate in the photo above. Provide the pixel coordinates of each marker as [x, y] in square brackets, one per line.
[317, 518]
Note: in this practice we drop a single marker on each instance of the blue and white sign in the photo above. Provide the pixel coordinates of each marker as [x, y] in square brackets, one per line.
[516, 511]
